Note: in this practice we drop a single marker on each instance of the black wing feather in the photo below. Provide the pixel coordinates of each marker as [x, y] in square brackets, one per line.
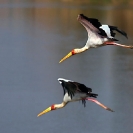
[69, 87]
[73, 87]
[82, 88]
[95, 22]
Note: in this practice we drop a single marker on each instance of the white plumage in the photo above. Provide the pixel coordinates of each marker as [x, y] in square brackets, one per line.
[107, 30]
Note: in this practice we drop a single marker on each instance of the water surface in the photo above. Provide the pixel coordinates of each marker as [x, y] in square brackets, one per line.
[34, 36]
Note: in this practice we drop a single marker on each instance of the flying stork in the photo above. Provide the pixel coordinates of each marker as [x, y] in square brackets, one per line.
[98, 35]
[74, 91]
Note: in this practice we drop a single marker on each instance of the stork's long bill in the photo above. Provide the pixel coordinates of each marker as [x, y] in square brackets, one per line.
[67, 56]
[44, 112]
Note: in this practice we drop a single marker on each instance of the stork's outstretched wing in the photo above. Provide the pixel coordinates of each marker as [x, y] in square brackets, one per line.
[73, 87]
[91, 25]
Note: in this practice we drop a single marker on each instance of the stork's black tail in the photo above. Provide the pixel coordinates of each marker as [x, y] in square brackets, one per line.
[116, 29]
[93, 95]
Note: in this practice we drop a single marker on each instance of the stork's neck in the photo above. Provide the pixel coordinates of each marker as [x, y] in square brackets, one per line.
[58, 106]
[79, 50]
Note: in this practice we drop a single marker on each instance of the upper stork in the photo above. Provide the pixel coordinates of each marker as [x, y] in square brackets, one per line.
[74, 91]
[98, 35]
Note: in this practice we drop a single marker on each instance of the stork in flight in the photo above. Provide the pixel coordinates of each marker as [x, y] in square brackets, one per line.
[98, 35]
[74, 91]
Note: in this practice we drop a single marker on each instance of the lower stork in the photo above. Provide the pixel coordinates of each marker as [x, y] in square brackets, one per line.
[74, 91]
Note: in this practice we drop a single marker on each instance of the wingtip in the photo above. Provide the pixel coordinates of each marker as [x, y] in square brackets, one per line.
[126, 36]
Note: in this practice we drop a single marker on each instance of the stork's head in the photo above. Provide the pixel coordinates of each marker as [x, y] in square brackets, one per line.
[75, 51]
[52, 107]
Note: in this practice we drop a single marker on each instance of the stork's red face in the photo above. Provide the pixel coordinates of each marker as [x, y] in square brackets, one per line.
[47, 110]
[68, 55]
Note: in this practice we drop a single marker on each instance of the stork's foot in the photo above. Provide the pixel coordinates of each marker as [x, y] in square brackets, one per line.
[109, 109]
[131, 47]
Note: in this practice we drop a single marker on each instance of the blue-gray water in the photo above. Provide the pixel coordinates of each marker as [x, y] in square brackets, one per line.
[34, 36]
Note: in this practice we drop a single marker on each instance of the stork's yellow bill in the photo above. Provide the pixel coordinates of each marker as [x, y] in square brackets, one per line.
[44, 111]
[67, 56]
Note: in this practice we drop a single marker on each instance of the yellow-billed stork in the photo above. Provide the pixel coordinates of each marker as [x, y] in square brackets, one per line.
[74, 91]
[98, 35]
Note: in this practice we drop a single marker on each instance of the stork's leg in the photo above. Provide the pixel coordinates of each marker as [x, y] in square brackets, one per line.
[117, 44]
[100, 104]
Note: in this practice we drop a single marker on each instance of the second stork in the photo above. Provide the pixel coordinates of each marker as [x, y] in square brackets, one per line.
[74, 91]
